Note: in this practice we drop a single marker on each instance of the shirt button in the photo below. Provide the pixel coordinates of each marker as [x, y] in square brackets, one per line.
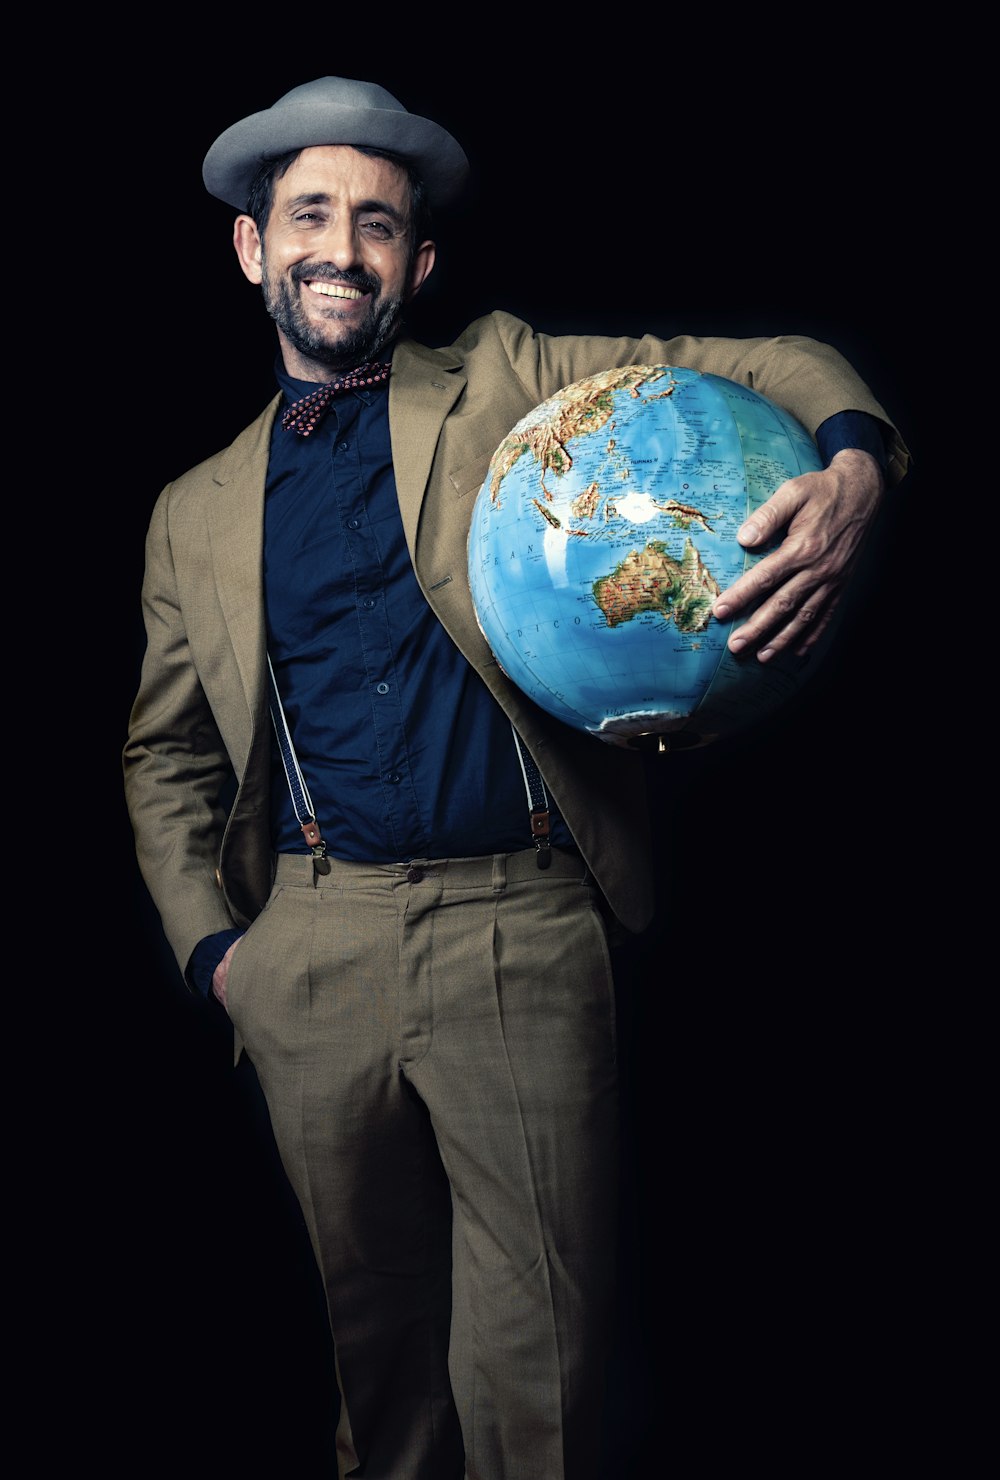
[342, 446]
[368, 603]
[394, 777]
[354, 523]
[381, 688]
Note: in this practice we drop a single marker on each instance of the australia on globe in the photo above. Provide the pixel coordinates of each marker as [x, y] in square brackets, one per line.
[604, 531]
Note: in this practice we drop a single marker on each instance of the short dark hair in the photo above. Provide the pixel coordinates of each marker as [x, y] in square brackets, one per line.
[272, 168]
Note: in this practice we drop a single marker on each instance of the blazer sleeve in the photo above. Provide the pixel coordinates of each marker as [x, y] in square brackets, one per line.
[809, 379]
[176, 767]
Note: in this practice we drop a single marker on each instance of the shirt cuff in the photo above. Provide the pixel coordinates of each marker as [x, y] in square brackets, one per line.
[852, 429]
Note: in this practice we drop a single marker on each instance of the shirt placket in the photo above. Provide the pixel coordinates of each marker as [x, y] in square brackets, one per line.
[372, 605]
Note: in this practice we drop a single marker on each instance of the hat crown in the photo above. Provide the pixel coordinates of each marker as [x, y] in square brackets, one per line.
[342, 92]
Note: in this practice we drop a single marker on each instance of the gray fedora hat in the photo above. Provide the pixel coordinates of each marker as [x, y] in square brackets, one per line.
[334, 110]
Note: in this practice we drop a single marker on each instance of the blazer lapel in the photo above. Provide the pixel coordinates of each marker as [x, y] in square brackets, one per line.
[423, 388]
[236, 532]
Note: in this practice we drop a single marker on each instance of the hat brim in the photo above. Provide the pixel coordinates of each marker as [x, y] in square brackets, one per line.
[235, 156]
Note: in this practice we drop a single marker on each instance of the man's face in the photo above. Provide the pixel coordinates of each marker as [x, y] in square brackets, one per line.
[337, 262]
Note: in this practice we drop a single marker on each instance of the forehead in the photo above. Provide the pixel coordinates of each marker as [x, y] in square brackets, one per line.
[345, 175]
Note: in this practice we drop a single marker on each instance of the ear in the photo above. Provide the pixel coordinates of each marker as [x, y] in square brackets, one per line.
[246, 240]
[423, 262]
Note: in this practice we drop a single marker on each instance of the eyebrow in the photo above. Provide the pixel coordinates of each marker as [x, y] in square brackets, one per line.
[321, 198]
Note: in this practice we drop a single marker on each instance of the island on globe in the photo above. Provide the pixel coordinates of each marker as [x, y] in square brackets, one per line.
[605, 529]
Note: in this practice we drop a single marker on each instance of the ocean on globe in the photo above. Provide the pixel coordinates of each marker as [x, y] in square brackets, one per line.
[604, 531]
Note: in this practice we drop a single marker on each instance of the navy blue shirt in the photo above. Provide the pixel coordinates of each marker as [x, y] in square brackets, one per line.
[404, 750]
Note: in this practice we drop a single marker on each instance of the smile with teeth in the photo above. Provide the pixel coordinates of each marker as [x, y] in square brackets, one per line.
[335, 290]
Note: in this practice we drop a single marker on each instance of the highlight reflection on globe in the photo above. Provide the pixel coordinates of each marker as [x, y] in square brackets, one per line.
[604, 531]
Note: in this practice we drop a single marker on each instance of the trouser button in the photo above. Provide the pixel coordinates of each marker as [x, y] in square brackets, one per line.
[414, 873]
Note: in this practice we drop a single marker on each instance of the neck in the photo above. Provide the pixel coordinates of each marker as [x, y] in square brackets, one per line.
[303, 366]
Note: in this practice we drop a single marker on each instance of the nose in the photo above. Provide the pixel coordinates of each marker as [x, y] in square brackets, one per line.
[340, 242]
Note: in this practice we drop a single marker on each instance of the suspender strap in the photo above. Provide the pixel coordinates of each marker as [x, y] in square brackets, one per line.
[534, 786]
[301, 800]
[538, 802]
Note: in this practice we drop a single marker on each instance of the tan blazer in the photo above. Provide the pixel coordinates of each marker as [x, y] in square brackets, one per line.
[201, 713]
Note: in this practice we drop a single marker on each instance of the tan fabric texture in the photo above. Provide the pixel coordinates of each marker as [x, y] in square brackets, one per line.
[436, 1044]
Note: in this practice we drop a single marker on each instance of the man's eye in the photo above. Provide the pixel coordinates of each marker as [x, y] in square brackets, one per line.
[378, 229]
[307, 216]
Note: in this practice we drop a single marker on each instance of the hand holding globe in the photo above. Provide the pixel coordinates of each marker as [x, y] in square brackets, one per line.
[795, 591]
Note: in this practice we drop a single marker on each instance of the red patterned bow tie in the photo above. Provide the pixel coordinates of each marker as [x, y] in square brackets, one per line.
[305, 415]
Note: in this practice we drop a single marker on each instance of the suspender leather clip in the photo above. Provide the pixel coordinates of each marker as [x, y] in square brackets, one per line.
[311, 832]
[540, 833]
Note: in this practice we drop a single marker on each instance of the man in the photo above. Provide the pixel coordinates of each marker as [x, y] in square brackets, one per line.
[429, 1010]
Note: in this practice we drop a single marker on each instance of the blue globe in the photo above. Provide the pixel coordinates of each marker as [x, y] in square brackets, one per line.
[604, 531]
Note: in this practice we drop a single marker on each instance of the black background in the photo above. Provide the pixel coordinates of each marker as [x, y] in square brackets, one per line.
[646, 175]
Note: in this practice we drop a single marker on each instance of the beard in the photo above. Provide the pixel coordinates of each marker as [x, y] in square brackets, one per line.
[341, 350]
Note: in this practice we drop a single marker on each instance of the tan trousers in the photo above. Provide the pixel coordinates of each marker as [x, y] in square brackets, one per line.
[436, 1044]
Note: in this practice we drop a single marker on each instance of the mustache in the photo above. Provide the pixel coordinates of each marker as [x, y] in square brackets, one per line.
[325, 272]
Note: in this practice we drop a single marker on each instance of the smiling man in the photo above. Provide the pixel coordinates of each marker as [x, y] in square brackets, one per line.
[419, 971]
[336, 256]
